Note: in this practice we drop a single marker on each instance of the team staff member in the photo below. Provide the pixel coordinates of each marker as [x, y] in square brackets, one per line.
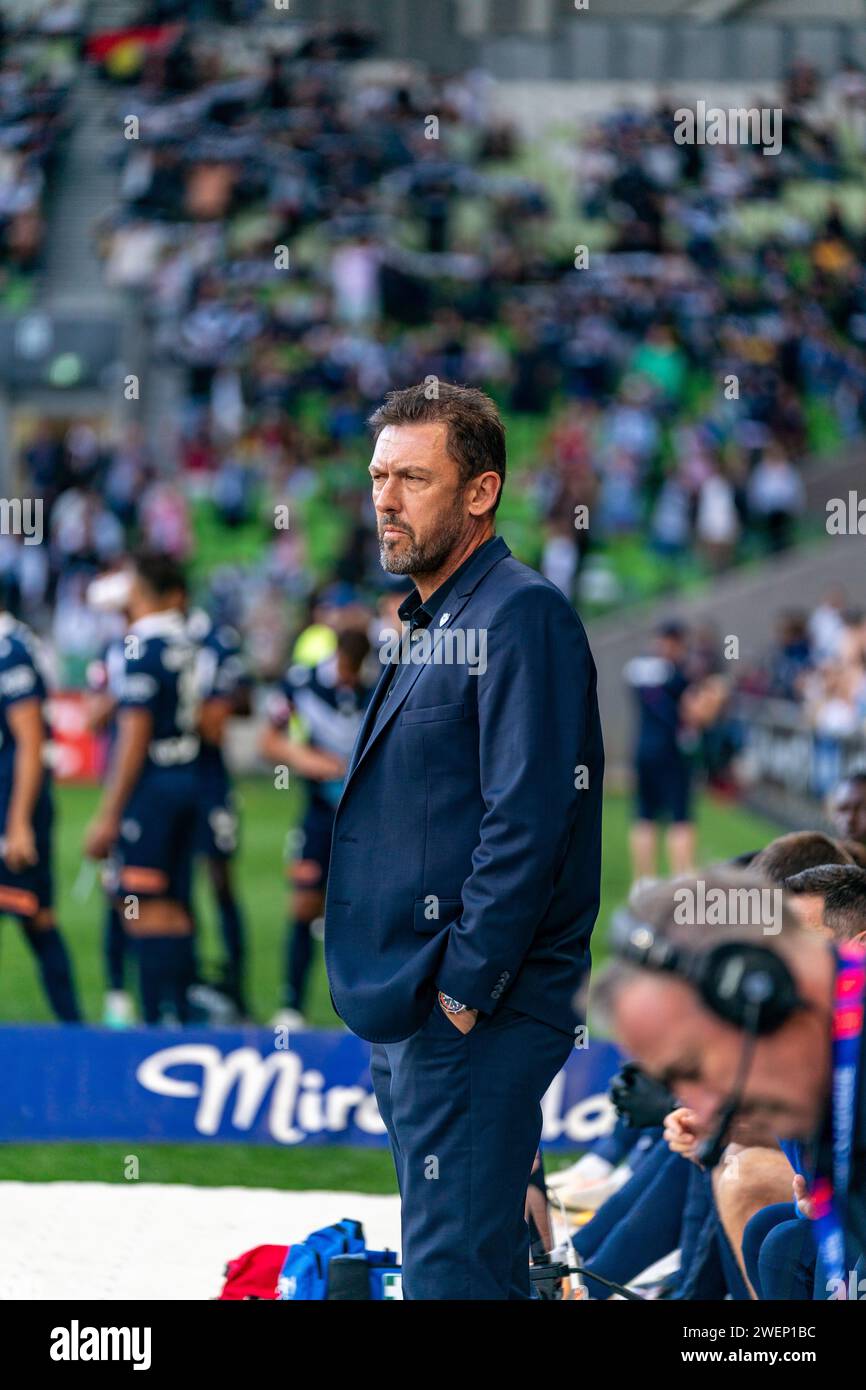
[147, 816]
[663, 769]
[27, 815]
[465, 864]
[329, 700]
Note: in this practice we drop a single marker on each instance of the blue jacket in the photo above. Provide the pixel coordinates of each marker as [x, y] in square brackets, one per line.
[467, 843]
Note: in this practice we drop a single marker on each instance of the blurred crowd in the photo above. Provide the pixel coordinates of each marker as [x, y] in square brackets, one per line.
[306, 236]
[818, 660]
[305, 233]
[34, 117]
[101, 500]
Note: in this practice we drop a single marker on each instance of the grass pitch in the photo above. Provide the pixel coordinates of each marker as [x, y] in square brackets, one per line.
[268, 814]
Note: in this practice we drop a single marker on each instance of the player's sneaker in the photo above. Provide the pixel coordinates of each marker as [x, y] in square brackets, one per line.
[118, 1011]
[585, 1185]
[212, 1006]
[291, 1019]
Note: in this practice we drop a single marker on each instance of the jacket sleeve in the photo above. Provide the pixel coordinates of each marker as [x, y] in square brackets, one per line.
[532, 715]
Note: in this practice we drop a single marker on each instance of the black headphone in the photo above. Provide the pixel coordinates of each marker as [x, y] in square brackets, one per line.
[747, 986]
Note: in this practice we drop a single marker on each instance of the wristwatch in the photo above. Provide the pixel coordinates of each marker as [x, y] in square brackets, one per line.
[451, 1006]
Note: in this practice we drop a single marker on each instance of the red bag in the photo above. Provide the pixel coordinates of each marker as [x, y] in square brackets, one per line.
[254, 1274]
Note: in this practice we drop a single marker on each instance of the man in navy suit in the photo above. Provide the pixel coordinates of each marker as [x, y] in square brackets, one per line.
[464, 880]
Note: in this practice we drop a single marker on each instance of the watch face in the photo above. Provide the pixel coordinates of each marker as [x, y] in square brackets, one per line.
[450, 1005]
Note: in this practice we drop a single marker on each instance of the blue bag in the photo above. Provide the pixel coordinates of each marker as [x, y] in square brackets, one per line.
[304, 1274]
[357, 1273]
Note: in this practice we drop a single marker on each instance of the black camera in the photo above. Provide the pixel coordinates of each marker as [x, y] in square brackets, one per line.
[640, 1100]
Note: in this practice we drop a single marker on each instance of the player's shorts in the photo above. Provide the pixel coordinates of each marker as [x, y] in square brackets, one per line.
[311, 850]
[664, 789]
[25, 894]
[218, 824]
[154, 854]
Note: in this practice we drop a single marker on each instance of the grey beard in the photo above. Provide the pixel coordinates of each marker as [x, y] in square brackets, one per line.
[405, 563]
[422, 559]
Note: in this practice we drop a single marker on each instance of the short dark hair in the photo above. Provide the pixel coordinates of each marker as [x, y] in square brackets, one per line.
[355, 646]
[475, 432]
[791, 854]
[161, 573]
[843, 888]
[818, 880]
[845, 908]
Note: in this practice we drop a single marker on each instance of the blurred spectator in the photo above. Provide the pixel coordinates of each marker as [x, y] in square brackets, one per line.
[775, 498]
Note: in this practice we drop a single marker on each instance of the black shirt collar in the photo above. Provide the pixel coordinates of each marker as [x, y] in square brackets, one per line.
[418, 614]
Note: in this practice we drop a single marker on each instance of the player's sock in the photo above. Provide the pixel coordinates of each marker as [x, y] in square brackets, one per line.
[151, 975]
[183, 974]
[54, 966]
[116, 945]
[233, 934]
[166, 971]
[299, 956]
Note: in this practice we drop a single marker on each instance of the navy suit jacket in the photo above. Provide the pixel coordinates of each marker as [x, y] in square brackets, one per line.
[467, 843]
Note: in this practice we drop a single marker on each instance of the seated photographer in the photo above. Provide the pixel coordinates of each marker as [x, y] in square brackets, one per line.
[765, 1023]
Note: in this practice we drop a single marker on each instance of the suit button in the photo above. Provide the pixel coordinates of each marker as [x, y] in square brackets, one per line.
[499, 987]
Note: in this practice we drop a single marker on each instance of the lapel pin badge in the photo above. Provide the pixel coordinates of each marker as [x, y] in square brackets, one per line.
[443, 620]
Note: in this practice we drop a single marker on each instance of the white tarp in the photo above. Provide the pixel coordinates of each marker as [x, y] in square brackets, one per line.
[82, 1240]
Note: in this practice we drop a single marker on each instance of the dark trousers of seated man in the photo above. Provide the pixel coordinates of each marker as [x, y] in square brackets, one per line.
[463, 1114]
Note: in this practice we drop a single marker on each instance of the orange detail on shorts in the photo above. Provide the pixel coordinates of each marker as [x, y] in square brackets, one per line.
[143, 880]
[157, 928]
[306, 873]
[19, 901]
[156, 917]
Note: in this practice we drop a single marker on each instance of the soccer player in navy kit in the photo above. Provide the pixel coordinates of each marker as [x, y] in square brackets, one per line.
[105, 682]
[663, 764]
[147, 816]
[222, 686]
[330, 699]
[26, 814]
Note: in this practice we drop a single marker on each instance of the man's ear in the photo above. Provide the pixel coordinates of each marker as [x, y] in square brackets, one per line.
[483, 492]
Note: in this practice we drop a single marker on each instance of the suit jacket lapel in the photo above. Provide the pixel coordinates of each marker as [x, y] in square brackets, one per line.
[395, 701]
[454, 604]
[370, 713]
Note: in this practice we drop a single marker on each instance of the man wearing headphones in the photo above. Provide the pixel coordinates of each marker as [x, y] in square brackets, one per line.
[754, 1019]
